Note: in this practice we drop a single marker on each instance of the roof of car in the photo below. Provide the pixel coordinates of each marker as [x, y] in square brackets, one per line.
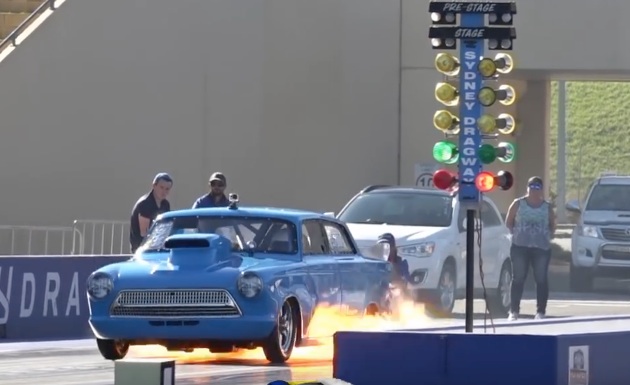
[256, 211]
[405, 189]
[614, 179]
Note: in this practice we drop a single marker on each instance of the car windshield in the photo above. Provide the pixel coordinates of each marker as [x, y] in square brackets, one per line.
[400, 208]
[251, 234]
[610, 197]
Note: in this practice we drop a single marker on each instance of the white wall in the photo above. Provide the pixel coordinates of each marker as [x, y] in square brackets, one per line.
[295, 100]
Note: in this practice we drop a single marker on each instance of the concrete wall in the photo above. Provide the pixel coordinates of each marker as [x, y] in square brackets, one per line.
[295, 100]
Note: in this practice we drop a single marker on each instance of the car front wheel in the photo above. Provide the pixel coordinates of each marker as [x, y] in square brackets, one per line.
[112, 349]
[580, 279]
[280, 344]
[499, 302]
[442, 302]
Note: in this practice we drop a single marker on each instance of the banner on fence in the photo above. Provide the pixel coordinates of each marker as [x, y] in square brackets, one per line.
[45, 297]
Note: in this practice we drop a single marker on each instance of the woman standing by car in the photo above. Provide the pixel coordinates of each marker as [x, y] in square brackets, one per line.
[532, 222]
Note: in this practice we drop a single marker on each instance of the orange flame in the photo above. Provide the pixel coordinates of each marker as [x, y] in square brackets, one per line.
[326, 322]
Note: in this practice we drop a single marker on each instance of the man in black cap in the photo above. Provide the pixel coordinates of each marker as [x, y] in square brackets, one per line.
[149, 206]
[216, 196]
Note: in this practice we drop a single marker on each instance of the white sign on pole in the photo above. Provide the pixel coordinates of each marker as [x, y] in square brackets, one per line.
[424, 174]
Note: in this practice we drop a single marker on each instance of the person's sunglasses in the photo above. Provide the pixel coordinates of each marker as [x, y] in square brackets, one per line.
[535, 186]
[217, 184]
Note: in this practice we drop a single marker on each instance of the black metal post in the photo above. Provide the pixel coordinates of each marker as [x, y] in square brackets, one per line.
[470, 268]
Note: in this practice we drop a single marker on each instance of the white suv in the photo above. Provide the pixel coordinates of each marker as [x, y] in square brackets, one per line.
[430, 233]
[600, 243]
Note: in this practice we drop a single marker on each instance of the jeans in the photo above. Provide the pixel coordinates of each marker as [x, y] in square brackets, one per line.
[522, 258]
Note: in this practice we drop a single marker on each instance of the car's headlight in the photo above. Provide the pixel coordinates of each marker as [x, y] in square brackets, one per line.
[424, 249]
[588, 231]
[249, 284]
[99, 285]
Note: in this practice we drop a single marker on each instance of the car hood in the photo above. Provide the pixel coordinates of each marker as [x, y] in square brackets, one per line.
[161, 273]
[367, 234]
[605, 217]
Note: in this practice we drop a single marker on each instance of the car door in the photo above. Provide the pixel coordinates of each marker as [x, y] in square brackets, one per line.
[322, 267]
[498, 242]
[352, 269]
[461, 269]
[490, 241]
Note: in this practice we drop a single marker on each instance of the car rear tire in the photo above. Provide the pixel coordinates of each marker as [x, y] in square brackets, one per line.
[499, 302]
[112, 349]
[441, 304]
[281, 341]
[581, 279]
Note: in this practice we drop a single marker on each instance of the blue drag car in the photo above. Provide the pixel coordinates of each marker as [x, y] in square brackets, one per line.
[230, 278]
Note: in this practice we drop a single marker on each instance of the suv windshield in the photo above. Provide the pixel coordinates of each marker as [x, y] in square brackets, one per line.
[400, 208]
[266, 235]
[612, 197]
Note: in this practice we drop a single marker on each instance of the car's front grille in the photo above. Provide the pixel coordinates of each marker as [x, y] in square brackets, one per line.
[174, 304]
[615, 255]
[616, 234]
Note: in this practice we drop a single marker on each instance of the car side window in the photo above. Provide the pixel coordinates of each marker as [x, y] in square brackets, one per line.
[313, 238]
[489, 216]
[338, 239]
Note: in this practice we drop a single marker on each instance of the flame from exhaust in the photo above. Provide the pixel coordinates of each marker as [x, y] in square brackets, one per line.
[326, 322]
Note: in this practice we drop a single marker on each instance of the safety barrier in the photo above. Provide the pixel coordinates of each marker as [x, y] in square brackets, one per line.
[39, 240]
[94, 237]
[103, 237]
[584, 351]
[44, 297]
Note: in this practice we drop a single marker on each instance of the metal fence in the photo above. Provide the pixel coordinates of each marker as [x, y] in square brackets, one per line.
[103, 237]
[39, 240]
[85, 237]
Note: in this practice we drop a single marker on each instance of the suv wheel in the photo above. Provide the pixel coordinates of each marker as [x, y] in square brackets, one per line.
[442, 302]
[581, 279]
[499, 302]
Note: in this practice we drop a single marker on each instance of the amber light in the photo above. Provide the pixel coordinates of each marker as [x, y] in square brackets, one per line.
[484, 181]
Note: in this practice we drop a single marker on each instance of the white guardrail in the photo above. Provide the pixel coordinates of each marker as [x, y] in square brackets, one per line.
[85, 237]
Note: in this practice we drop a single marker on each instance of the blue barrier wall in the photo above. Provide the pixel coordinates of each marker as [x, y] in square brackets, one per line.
[45, 297]
[518, 358]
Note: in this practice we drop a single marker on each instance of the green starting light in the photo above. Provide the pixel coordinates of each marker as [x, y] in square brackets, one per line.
[445, 152]
[504, 152]
[487, 153]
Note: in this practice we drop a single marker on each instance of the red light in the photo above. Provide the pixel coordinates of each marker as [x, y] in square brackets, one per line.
[484, 181]
[444, 179]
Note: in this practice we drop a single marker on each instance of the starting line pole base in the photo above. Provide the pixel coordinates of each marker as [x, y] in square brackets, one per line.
[144, 372]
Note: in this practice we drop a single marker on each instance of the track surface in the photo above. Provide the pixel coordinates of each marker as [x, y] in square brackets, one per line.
[79, 363]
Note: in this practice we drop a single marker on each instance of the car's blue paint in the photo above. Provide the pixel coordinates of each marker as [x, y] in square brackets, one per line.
[244, 211]
[348, 281]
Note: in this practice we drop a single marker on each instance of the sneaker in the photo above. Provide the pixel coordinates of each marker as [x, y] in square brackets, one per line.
[539, 315]
[513, 316]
